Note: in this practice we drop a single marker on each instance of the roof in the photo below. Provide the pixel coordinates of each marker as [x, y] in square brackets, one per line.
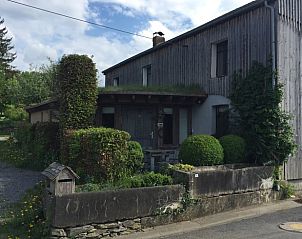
[54, 169]
[237, 12]
[47, 103]
[50, 102]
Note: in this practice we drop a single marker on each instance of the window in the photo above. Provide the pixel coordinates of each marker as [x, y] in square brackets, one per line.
[116, 81]
[219, 67]
[222, 120]
[146, 75]
[108, 117]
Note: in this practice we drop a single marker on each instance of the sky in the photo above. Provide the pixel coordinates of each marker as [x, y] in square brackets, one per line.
[39, 36]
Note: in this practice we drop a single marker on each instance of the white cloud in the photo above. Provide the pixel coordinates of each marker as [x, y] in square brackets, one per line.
[39, 35]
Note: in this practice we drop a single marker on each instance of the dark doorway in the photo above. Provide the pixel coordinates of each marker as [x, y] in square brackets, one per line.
[222, 120]
[108, 117]
[168, 129]
[108, 120]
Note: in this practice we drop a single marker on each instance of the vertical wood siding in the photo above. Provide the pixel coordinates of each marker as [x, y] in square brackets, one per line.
[188, 61]
[289, 69]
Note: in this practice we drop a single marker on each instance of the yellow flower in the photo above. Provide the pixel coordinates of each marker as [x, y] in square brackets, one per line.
[30, 225]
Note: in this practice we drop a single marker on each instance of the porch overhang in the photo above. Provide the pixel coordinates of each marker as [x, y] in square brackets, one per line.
[151, 98]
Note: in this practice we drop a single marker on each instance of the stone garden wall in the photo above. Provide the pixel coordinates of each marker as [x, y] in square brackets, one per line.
[225, 179]
[120, 212]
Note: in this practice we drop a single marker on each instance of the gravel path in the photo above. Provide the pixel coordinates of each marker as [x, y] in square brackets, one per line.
[14, 182]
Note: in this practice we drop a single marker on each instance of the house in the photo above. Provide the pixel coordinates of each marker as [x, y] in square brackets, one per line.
[206, 56]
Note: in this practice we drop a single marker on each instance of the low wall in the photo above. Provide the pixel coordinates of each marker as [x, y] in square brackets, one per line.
[202, 207]
[110, 206]
[225, 179]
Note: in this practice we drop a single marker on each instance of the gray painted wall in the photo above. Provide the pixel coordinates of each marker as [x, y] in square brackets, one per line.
[204, 116]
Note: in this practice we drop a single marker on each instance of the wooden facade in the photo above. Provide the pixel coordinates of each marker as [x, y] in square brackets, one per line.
[188, 58]
[289, 55]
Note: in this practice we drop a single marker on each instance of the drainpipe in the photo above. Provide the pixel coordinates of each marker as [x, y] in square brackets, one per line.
[273, 41]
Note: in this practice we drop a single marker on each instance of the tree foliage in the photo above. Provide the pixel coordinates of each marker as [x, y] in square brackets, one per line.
[78, 91]
[265, 126]
[28, 87]
[6, 56]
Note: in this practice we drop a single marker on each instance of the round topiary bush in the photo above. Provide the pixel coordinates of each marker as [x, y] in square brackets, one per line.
[233, 148]
[201, 150]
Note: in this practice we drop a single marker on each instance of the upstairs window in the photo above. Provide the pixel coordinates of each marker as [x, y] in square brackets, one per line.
[146, 75]
[116, 81]
[219, 67]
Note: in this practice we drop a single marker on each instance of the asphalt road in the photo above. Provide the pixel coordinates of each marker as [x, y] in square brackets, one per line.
[264, 227]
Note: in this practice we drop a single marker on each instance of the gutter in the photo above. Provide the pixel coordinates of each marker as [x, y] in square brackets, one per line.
[273, 31]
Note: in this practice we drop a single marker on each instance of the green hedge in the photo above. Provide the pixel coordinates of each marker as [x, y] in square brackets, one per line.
[233, 148]
[199, 150]
[135, 160]
[78, 91]
[98, 153]
[32, 146]
[141, 180]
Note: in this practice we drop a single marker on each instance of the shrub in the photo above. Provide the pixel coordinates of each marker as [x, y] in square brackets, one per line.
[265, 126]
[233, 148]
[199, 150]
[135, 161]
[14, 113]
[78, 91]
[45, 144]
[141, 180]
[183, 167]
[33, 146]
[100, 153]
[88, 187]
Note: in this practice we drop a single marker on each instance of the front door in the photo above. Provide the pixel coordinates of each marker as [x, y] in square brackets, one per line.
[139, 122]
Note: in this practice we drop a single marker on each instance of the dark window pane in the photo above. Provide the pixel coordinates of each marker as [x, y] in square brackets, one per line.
[222, 59]
[108, 120]
[222, 120]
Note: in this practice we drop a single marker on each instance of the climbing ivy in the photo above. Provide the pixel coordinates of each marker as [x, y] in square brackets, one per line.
[265, 126]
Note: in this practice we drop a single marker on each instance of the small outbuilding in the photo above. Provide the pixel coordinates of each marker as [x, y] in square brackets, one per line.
[60, 179]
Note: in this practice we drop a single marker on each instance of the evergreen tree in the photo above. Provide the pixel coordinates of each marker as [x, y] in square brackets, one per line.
[6, 56]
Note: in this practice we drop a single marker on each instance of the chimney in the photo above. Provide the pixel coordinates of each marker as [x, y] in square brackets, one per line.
[158, 38]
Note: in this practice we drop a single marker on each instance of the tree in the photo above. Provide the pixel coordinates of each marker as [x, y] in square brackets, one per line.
[78, 91]
[6, 56]
[265, 126]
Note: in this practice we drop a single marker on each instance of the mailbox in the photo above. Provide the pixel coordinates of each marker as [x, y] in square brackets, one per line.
[60, 179]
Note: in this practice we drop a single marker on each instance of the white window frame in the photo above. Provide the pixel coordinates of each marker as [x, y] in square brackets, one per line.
[145, 75]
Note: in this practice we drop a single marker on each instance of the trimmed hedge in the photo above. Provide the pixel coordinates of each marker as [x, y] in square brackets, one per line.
[201, 150]
[98, 153]
[135, 160]
[78, 91]
[233, 148]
